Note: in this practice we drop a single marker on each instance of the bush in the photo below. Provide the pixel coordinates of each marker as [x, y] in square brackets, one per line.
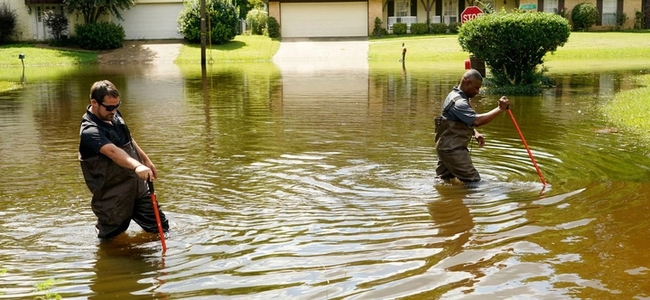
[273, 28]
[419, 28]
[99, 36]
[7, 22]
[222, 16]
[620, 20]
[583, 16]
[438, 28]
[513, 45]
[57, 23]
[256, 20]
[638, 19]
[453, 27]
[399, 28]
[378, 30]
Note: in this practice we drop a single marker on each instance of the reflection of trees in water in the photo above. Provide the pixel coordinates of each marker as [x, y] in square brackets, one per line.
[126, 269]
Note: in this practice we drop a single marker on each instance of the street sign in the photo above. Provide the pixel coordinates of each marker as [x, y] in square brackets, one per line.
[469, 13]
[528, 6]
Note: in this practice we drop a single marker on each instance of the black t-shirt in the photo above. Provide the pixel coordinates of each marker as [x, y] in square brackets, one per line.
[95, 133]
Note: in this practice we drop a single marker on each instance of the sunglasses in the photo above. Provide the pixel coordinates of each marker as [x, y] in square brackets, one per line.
[111, 107]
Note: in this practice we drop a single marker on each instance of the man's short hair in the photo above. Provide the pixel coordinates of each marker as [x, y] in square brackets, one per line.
[101, 88]
[473, 74]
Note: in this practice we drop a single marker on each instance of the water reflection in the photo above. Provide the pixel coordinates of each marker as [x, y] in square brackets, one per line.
[290, 183]
[137, 269]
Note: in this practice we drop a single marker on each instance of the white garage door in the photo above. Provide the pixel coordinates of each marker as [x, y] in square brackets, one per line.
[152, 21]
[324, 19]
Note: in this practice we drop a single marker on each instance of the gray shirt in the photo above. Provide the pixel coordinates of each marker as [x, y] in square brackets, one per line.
[461, 110]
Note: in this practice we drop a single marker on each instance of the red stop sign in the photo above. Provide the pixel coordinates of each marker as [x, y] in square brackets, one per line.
[469, 13]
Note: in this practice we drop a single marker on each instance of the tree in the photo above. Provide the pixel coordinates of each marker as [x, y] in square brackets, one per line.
[57, 23]
[8, 21]
[584, 15]
[93, 9]
[223, 21]
[428, 6]
[513, 45]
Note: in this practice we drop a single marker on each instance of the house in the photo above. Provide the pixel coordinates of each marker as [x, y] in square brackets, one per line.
[344, 18]
[148, 19]
[157, 19]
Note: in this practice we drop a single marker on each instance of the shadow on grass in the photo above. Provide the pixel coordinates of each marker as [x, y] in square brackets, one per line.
[229, 46]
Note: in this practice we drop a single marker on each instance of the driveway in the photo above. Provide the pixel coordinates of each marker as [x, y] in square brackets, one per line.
[310, 55]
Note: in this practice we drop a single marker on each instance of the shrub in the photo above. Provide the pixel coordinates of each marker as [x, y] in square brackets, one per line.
[222, 16]
[57, 23]
[620, 20]
[638, 19]
[256, 20]
[438, 28]
[7, 22]
[513, 45]
[453, 27]
[399, 28]
[583, 16]
[378, 30]
[273, 28]
[99, 36]
[419, 28]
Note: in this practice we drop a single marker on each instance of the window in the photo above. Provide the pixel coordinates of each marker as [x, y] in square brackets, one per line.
[609, 12]
[550, 6]
[450, 11]
[402, 8]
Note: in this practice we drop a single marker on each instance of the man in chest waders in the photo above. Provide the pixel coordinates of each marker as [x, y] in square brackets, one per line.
[456, 127]
[115, 167]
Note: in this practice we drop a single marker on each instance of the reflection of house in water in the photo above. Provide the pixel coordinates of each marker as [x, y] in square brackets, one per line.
[312, 72]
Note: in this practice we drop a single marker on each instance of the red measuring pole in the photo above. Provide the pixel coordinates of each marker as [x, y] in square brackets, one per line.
[521, 135]
[154, 202]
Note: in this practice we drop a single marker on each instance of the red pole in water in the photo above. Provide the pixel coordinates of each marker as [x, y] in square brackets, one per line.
[157, 213]
[512, 117]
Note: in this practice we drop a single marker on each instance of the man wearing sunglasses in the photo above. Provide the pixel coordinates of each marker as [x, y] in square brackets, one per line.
[115, 168]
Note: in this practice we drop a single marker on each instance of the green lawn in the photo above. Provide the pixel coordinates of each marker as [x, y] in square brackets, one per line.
[244, 48]
[582, 46]
[39, 56]
[629, 109]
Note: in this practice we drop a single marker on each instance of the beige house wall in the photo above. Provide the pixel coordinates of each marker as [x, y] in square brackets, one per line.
[375, 10]
[23, 21]
[274, 11]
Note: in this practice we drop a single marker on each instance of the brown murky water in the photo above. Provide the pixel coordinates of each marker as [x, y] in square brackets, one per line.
[318, 184]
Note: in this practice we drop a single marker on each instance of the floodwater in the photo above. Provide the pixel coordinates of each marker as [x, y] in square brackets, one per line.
[318, 183]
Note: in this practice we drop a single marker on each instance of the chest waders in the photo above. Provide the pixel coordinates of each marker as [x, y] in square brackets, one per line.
[452, 139]
[115, 190]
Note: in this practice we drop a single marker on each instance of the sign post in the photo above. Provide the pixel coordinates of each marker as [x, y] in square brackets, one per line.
[469, 13]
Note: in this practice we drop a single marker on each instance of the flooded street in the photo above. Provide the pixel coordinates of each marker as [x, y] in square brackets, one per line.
[298, 183]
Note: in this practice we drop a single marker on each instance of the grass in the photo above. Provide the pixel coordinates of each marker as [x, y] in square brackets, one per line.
[629, 108]
[244, 48]
[42, 57]
[8, 86]
[431, 48]
[604, 45]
